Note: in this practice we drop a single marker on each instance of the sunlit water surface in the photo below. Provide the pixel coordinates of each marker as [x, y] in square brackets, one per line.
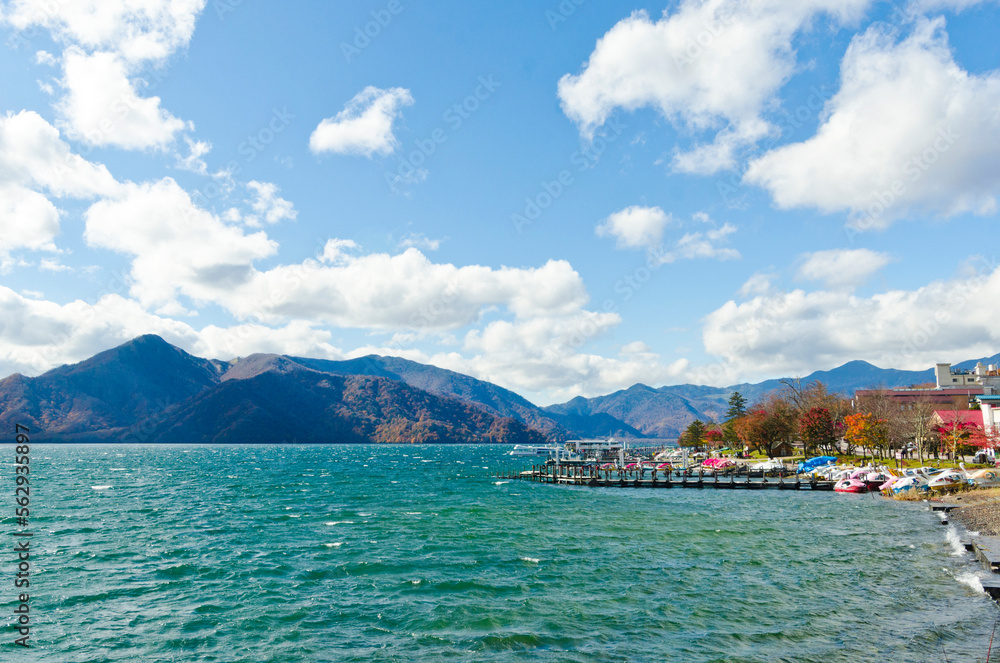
[364, 553]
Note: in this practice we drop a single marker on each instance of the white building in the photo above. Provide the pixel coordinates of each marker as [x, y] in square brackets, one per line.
[990, 405]
[986, 377]
[980, 376]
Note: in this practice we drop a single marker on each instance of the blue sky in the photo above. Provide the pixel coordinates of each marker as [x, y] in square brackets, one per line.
[564, 198]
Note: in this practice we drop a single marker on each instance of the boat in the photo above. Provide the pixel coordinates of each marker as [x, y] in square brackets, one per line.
[947, 479]
[596, 448]
[768, 465]
[546, 450]
[849, 485]
[717, 465]
[815, 463]
[914, 482]
[984, 478]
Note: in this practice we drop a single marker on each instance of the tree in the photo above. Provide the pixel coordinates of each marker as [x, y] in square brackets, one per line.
[885, 409]
[816, 428]
[729, 436]
[766, 425]
[984, 439]
[916, 418]
[737, 406]
[866, 430]
[954, 433]
[693, 435]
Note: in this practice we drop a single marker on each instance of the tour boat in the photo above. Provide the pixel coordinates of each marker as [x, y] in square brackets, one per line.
[545, 450]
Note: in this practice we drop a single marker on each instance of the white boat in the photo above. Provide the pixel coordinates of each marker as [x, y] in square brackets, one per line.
[542, 450]
[947, 479]
[596, 448]
[984, 478]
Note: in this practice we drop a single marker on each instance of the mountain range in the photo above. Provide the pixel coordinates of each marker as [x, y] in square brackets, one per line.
[147, 390]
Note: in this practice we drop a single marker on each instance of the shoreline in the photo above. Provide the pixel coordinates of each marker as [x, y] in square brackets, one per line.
[979, 510]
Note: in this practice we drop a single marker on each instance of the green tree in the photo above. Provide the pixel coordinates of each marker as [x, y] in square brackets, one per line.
[737, 406]
[693, 435]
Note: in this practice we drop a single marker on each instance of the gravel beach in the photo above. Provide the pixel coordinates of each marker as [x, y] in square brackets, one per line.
[979, 512]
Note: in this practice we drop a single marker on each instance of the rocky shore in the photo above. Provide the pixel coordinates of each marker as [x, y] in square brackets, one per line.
[979, 512]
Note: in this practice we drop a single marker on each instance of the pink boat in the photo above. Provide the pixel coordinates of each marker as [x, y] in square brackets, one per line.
[851, 486]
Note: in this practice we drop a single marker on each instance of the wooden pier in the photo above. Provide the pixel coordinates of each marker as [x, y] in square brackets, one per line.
[591, 477]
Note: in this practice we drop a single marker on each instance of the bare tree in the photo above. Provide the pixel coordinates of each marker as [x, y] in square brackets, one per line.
[880, 404]
[917, 417]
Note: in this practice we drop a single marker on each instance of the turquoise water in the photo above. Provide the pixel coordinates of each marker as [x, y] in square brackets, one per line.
[337, 553]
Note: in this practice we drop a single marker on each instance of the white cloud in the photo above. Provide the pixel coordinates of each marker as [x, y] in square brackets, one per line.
[33, 160]
[711, 65]
[32, 154]
[544, 358]
[842, 268]
[419, 241]
[193, 162]
[268, 205]
[701, 246]
[46, 58]
[636, 227]
[137, 29]
[644, 227]
[758, 284]
[404, 291]
[101, 106]
[107, 41]
[28, 220]
[37, 335]
[178, 248]
[298, 337]
[797, 332]
[909, 131]
[365, 124]
[922, 6]
[53, 265]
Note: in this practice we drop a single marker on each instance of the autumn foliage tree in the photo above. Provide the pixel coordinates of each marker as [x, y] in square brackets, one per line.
[955, 433]
[866, 431]
[763, 427]
[817, 429]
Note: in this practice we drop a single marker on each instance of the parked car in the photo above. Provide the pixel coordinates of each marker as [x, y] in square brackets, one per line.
[983, 458]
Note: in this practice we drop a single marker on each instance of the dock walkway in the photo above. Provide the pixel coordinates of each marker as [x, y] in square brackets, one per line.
[590, 478]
